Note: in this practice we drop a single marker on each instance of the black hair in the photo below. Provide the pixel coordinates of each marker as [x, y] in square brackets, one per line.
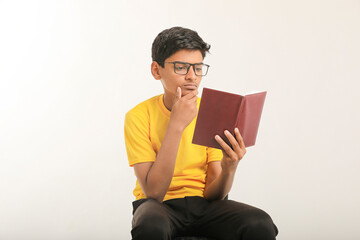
[171, 40]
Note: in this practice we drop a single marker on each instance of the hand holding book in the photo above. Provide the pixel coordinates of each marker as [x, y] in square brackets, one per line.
[231, 154]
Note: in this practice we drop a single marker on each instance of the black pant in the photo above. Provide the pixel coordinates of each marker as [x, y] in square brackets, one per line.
[196, 216]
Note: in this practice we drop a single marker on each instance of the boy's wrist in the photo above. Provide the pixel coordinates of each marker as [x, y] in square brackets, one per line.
[175, 126]
[226, 171]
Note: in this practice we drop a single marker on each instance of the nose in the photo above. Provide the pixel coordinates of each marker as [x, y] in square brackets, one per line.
[191, 74]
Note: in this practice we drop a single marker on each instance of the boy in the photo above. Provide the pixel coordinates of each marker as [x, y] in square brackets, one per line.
[181, 187]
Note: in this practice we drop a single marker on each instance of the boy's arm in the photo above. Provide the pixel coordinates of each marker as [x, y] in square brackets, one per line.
[155, 177]
[220, 175]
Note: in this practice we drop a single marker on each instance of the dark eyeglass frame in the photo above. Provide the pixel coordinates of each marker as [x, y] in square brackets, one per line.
[190, 64]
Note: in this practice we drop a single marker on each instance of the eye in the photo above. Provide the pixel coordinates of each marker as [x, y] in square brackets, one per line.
[179, 67]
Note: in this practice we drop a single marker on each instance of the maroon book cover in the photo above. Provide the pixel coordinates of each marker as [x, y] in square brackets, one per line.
[220, 111]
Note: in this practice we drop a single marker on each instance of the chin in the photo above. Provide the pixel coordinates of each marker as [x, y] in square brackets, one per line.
[186, 90]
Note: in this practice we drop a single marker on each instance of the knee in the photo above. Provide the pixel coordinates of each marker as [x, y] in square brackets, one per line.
[259, 226]
[153, 229]
[150, 224]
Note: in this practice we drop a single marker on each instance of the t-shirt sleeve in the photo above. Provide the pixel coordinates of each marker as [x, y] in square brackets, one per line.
[213, 154]
[137, 139]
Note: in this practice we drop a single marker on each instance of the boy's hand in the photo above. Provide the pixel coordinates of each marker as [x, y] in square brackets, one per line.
[184, 109]
[231, 156]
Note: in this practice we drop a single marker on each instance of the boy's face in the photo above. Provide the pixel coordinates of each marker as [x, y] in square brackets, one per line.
[171, 80]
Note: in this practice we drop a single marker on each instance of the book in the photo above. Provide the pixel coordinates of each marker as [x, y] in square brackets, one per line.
[220, 111]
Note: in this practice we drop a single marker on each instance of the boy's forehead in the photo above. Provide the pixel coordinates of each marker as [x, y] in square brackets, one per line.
[187, 55]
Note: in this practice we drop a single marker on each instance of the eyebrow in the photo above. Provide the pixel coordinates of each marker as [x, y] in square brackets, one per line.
[188, 62]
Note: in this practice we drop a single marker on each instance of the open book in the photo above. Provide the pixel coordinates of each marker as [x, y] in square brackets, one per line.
[220, 111]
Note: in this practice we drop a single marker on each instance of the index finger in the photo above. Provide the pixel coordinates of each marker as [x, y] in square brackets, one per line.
[178, 94]
[191, 95]
[225, 147]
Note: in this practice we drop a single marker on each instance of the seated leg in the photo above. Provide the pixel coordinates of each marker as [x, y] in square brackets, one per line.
[226, 219]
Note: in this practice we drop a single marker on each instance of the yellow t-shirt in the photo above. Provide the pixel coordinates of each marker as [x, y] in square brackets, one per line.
[145, 127]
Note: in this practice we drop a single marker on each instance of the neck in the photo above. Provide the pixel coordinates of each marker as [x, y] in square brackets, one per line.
[168, 101]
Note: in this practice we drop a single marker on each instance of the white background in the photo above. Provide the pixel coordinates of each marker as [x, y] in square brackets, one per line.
[70, 70]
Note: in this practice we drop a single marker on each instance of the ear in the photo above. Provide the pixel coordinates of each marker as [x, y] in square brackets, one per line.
[155, 70]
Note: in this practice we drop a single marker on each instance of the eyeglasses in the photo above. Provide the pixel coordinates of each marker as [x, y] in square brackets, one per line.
[182, 68]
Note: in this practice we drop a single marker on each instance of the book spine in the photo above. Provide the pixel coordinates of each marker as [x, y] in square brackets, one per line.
[240, 119]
